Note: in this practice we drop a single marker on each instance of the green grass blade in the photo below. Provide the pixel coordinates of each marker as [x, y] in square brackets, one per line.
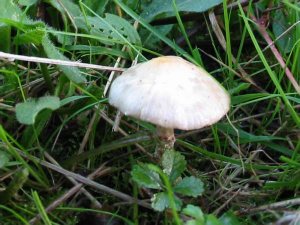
[41, 208]
[272, 75]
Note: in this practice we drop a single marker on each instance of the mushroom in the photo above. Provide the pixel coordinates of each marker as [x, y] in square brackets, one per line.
[170, 92]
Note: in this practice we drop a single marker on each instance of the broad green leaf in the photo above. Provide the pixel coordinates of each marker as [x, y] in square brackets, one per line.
[71, 72]
[28, 140]
[11, 13]
[160, 202]
[4, 159]
[111, 27]
[30, 37]
[157, 7]
[193, 222]
[189, 186]
[98, 7]
[229, 218]
[150, 40]
[212, 220]
[279, 25]
[173, 164]
[27, 2]
[146, 177]
[10, 10]
[26, 112]
[194, 211]
[97, 50]
[66, 5]
[5, 42]
[24, 25]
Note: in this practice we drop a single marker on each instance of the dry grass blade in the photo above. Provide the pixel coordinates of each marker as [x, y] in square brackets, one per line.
[12, 57]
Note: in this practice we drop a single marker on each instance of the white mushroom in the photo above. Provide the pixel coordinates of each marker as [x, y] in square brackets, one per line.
[172, 93]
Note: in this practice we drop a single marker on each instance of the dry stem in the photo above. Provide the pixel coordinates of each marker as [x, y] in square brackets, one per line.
[12, 57]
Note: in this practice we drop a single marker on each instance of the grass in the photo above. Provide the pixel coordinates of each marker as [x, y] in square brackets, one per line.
[249, 161]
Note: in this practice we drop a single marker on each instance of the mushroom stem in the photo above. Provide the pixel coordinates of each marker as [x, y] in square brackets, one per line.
[166, 138]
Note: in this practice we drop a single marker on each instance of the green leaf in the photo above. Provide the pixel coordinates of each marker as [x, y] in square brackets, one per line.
[193, 222]
[212, 220]
[160, 202]
[24, 25]
[67, 100]
[157, 7]
[146, 177]
[30, 37]
[26, 112]
[66, 5]
[5, 42]
[97, 50]
[150, 40]
[173, 164]
[13, 15]
[280, 25]
[189, 186]
[245, 136]
[240, 99]
[111, 27]
[27, 2]
[294, 99]
[4, 159]
[194, 211]
[10, 10]
[240, 87]
[229, 218]
[71, 72]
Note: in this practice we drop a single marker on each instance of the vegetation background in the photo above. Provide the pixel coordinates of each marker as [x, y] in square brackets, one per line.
[60, 161]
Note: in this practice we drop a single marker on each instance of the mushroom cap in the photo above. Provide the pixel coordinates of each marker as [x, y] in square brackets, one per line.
[170, 92]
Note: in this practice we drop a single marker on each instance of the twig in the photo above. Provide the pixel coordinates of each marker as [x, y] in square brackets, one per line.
[65, 196]
[12, 57]
[218, 210]
[276, 205]
[112, 74]
[87, 133]
[83, 190]
[87, 181]
[117, 121]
